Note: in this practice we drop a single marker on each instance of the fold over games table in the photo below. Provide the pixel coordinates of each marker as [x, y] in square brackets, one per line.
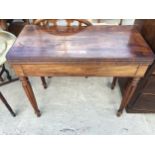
[108, 51]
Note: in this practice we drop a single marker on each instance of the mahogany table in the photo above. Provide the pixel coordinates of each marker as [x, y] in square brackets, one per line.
[94, 51]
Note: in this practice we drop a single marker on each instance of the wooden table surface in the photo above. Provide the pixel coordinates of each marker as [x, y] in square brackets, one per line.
[94, 43]
[92, 51]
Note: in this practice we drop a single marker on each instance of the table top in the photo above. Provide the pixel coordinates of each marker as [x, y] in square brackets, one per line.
[123, 44]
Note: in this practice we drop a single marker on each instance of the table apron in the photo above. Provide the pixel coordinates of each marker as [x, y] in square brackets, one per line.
[127, 70]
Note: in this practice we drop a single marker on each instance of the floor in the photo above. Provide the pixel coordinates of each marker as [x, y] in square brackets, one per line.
[71, 105]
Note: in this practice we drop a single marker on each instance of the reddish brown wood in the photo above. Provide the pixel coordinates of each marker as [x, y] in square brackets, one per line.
[144, 96]
[71, 26]
[115, 78]
[67, 30]
[29, 92]
[54, 22]
[113, 44]
[128, 94]
[78, 69]
[93, 51]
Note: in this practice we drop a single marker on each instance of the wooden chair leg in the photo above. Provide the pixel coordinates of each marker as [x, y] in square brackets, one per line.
[44, 82]
[114, 82]
[7, 105]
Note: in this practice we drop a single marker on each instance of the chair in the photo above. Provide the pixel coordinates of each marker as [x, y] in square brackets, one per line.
[61, 22]
[56, 23]
[15, 28]
[7, 105]
[6, 41]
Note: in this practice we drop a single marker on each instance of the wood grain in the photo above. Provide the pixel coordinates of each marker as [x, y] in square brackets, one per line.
[29, 92]
[77, 70]
[94, 43]
[93, 51]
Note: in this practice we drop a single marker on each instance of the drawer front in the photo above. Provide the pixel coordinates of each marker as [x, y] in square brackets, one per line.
[79, 70]
[145, 102]
[149, 87]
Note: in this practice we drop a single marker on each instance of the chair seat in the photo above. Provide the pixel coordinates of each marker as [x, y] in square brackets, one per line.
[6, 40]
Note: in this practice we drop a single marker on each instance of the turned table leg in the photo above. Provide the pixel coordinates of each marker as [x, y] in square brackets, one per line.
[29, 92]
[128, 94]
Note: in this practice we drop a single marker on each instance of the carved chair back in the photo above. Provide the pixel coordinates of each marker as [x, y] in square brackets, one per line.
[61, 22]
[63, 27]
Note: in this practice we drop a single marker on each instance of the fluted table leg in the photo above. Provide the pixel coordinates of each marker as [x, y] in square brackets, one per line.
[128, 94]
[29, 92]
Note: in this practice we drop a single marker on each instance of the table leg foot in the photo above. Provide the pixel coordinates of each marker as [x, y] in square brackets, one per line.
[119, 113]
[38, 113]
